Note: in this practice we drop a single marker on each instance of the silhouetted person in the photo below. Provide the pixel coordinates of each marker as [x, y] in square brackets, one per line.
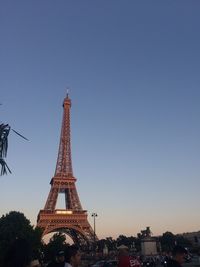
[125, 260]
[73, 256]
[59, 260]
[35, 263]
[178, 257]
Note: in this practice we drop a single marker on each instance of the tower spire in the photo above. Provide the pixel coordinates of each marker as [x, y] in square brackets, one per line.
[64, 161]
[67, 92]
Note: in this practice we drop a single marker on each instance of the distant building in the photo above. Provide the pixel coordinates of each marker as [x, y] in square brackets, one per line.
[193, 237]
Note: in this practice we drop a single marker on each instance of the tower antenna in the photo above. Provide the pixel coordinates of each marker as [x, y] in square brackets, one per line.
[67, 88]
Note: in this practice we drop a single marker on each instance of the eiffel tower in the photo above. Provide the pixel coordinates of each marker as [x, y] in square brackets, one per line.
[73, 219]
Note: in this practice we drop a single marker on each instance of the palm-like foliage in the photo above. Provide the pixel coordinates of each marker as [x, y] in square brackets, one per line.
[4, 132]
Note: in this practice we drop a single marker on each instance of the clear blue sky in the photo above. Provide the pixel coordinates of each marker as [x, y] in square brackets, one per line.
[133, 69]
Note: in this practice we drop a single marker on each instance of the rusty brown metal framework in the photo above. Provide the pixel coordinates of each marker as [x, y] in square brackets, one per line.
[73, 219]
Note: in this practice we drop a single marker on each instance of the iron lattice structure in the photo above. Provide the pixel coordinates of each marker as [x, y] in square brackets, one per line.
[73, 219]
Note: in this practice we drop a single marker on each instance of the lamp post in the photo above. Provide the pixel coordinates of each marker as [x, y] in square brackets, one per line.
[94, 215]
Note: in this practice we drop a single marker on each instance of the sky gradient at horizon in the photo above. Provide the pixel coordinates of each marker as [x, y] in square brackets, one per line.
[133, 72]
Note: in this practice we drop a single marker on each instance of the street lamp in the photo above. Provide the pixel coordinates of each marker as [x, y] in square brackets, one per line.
[94, 215]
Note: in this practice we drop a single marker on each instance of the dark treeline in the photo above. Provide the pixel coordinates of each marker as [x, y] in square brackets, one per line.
[15, 225]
